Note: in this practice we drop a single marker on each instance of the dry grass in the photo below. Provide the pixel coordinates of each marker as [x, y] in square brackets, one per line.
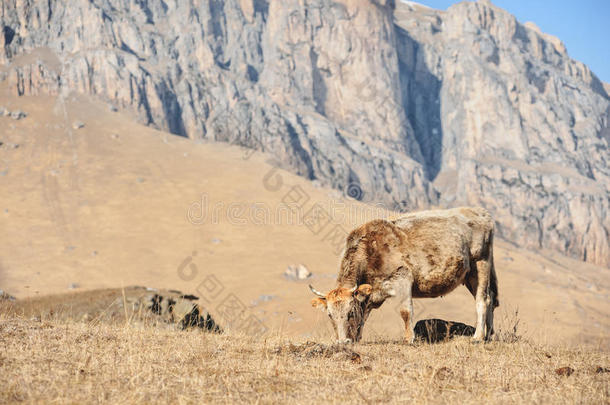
[72, 362]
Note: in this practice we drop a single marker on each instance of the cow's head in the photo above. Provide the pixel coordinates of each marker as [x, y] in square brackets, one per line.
[347, 309]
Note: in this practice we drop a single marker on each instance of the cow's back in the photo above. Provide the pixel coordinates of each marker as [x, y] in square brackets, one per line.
[482, 226]
[449, 230]
[433, 244]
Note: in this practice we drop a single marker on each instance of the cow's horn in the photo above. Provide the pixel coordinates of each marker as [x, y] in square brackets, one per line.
[318, 293]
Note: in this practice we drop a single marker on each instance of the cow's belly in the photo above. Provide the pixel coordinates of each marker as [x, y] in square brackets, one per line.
[437, 281]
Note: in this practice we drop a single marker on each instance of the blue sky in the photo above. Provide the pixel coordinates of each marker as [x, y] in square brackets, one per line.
[583, 26]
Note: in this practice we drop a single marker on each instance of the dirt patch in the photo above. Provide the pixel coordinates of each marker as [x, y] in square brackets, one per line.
[443, 373]
[313, 349]
[566, 371]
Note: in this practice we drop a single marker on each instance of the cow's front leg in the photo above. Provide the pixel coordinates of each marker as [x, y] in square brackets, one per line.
[404, 290]
[401, 288]
[406, 312]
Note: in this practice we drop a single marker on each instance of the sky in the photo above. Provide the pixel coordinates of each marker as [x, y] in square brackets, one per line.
[583, 26]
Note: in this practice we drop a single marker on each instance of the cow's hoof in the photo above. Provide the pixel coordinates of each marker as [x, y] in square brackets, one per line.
[410, 342]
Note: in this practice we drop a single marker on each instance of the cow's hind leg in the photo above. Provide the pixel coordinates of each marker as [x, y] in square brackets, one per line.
[478, 284]
[490, 318]
[492, 300]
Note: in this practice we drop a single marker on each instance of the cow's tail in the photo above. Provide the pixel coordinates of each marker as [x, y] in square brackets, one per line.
[493, 279]
[493, 286]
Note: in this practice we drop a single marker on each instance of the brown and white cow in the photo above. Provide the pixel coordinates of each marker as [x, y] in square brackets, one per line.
[420, 255]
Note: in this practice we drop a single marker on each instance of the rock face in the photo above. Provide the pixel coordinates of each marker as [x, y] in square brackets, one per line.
[277, 76]
[394, 103]
[508, 121]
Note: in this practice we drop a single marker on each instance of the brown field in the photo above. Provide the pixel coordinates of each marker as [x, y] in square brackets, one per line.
[68, 362]
[117, 204]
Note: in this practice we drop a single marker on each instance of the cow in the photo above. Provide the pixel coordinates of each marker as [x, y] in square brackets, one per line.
[439, 330]
[174, 307]
[423, 254]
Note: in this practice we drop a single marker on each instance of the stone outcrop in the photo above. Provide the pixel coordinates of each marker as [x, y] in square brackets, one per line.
[407, 105]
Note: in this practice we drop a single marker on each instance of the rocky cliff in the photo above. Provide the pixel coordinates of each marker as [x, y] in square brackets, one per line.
[396, 103]
[507, 120]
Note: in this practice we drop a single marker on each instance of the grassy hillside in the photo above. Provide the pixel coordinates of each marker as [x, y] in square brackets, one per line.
[68, 362]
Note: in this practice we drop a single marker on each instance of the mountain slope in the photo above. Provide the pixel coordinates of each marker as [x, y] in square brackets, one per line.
[393, 103]
[115, 203]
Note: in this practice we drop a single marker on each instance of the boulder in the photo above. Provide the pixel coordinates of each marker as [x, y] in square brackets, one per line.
[297, 272]
[78, 125]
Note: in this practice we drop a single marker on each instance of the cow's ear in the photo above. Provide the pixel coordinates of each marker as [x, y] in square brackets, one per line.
[363, 291]
[319, 303]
